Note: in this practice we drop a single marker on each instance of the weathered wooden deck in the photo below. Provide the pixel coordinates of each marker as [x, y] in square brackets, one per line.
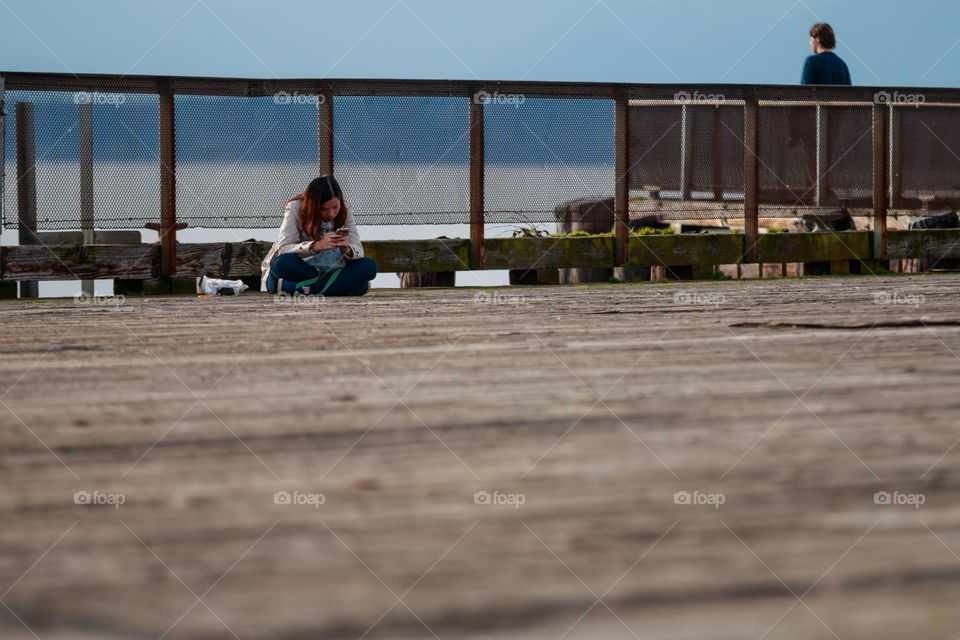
[596, 404]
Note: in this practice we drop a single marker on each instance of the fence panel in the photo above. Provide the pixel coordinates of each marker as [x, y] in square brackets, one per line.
[401, 148]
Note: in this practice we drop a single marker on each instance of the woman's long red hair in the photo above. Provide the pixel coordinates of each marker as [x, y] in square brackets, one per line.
[320, 190]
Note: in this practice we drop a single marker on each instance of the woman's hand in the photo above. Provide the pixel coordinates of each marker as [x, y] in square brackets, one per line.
[330, 241]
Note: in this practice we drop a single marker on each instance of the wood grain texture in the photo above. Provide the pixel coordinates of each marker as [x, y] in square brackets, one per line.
[932, 244]
[71, 261]
[827, 246]
[595, 403]
[672, 250]
[549, 253]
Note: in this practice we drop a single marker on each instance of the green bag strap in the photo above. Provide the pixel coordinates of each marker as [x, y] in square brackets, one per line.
[307, 283]
[330, 281]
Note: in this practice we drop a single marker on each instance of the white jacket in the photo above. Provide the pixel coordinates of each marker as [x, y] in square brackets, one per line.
[293, 239]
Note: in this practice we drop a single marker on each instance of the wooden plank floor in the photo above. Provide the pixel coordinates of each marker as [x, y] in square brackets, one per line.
[593, 406]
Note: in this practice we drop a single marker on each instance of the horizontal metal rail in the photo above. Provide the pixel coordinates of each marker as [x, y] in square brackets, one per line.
[28, 81]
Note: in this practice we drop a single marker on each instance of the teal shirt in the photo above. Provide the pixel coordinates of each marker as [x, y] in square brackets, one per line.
[825, 68]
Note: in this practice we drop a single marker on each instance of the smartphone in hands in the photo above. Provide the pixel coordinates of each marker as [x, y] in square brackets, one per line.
[343, 231]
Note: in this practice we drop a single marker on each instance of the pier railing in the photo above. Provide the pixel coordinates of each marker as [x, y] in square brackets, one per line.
[103, 152]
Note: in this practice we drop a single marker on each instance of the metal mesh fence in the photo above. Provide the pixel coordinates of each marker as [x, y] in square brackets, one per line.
[716, 144]
[542, 152]
[816, 155]
[401, 149]
[930, 148]
[656, 147]
[403, 160]
[125, 164]
[687, 158]
[239, 159]
[848, 175]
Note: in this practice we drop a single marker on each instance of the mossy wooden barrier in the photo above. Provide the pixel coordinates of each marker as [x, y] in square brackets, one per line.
[675, 250]
[242, 259]
[548, 253]
[815, 247]
[933, 244]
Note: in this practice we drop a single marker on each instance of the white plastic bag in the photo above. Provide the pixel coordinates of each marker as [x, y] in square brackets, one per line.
[216, 286]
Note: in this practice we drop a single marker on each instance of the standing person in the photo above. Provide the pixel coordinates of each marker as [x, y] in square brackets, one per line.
[318, 251]
[824, 66]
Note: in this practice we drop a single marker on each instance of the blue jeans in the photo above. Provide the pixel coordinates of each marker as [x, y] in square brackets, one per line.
[353, 280]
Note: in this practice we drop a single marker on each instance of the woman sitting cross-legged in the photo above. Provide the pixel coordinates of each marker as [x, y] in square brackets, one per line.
[318, 251]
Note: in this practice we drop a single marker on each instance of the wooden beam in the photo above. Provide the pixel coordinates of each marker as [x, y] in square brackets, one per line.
[932, 244]
[242, 259]
[550, 253]
[70, 261]
[815, 247]
[393, 256]
[678, 250]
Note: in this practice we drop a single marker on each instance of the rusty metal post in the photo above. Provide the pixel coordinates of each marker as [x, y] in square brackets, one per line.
[751, 177]
[896, 158]
[168, 182]
[686, 152]
[85, 130]
[621, 198]
[325, 131]
[716, 158]
[880, 181]
[3, 150]
[26, 186]
[823, 153]
[476, 181]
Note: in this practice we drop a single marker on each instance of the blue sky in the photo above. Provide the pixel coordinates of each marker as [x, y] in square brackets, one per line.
[885, 42]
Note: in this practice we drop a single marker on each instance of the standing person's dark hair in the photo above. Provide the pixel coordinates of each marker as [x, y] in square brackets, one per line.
[824, 33]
